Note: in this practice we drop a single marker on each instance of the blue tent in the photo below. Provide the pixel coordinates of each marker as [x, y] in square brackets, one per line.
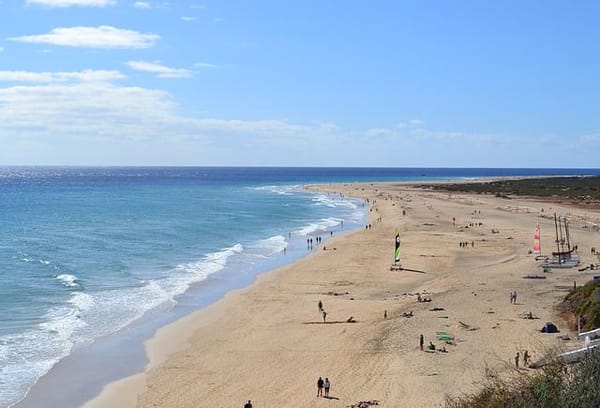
[549, 327]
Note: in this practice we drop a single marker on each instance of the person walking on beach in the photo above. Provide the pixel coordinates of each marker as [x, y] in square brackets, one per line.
[320, 384]
[526, 358]
[320, 306]
[421, 341]
[324, 315]
[517, 360]
[327, 385]
[248, 404]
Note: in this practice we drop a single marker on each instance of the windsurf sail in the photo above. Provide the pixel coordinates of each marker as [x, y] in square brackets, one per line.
[397, 249]
[537, 246]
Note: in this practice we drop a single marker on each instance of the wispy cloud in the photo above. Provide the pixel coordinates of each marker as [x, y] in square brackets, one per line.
[218, 20]
[413, 123]
[49, 77]
[162, 71]
[92, 108]
[96, 122]
[204, 65]
[188, 19]
[1, 49]
[379, 132]
[92, 37]
[591, 138]
[123, 112]
[71, 3]
[142, 5]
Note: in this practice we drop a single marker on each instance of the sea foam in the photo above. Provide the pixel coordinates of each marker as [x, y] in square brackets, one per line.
[68, 280]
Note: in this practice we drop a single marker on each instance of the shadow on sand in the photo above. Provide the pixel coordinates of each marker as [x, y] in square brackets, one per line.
[332, 322]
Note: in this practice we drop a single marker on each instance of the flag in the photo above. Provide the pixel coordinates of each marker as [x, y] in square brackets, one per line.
[397, 251]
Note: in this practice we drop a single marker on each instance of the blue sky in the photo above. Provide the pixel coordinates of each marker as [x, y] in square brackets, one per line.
[300, 83]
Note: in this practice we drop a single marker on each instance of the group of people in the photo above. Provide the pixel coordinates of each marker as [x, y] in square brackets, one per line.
[317, 240]
[431, 346]
[525, 359]
[323, 385]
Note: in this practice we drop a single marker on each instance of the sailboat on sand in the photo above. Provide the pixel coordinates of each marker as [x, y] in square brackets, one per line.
[566, 254]
[396, 266]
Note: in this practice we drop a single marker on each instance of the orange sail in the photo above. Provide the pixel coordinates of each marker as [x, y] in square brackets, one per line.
[537, 247]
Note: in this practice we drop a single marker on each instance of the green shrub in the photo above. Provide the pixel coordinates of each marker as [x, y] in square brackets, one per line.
[555, 385]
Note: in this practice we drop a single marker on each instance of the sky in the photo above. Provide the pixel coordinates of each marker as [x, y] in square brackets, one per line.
[300, 83]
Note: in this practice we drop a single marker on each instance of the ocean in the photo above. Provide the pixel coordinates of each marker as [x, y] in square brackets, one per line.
[94, 258]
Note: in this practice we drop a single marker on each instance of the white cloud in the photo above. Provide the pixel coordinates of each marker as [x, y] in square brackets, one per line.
[92, 37]
[91, 110]
[162, 71]
[218, 20]
[1, 49]
[70, 3]
[48, 77]
[188, 19]
[204, 65]
[84, 110]
[100, 123]
[142, 5]
[413, 123]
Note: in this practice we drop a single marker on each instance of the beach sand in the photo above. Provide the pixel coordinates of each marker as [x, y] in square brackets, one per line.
[268, 343]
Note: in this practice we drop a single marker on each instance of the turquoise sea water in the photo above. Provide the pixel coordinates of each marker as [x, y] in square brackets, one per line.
[87, 252]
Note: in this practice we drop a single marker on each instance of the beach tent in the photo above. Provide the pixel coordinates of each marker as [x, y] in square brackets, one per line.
[549, 327]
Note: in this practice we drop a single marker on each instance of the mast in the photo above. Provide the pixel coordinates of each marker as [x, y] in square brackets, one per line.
[537, 245]
[567, 235]
[556, 229]
[397, 247]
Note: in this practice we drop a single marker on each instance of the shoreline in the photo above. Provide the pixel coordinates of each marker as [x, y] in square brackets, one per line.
[123, 354]
[174, 337]
[194, 332]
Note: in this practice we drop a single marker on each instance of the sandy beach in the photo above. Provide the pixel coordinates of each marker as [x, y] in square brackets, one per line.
[268, 343]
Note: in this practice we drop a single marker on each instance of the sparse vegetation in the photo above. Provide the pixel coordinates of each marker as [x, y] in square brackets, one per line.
[555, 385]
[585, 303]
[575, 188]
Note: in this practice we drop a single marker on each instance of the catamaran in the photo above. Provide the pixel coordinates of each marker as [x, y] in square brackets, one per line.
[566, 255]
